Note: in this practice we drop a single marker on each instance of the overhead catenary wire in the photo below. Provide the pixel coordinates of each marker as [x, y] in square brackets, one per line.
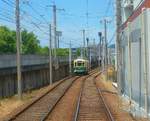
[35, 11]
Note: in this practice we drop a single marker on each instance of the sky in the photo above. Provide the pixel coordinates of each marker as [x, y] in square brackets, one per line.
[35, 15]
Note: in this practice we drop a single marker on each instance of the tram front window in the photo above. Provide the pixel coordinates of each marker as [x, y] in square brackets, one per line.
[80, 64]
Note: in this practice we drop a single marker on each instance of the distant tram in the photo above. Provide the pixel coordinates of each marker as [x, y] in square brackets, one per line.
[81, 66]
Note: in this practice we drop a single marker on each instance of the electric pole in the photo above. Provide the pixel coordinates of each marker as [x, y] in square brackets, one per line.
[83, 42]
[55, 32]
[100, 41]
[50, 55]
[87, 53]
[105, 21]
[103, 53]
[118, 25]
[55, 38]
[81, 51]
[70, 59]
[18, 49]
[106, 53]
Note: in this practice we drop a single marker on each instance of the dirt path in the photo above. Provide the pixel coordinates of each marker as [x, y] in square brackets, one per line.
[114, 102]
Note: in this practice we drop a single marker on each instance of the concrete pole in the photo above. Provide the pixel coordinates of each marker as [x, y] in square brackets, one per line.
[58, 41]
[100, 40]
[18, 50]
[103, 54]
[87, 39]
[81, 51]
[83, 43]
[105, 28]
[50, 56]
[70, 59]
[90, 58]
[55, 37]
[118, 48]
[129, 65]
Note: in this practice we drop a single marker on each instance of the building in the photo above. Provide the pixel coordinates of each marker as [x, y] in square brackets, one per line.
[135, 54]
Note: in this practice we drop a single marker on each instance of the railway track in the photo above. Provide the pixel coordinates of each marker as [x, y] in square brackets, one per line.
[40, 109]
[91, 104]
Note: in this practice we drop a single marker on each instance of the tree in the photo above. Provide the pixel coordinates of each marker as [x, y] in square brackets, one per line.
[30, 43]
[78, 53]
[7, 40]
[44, 50]
[62, 52]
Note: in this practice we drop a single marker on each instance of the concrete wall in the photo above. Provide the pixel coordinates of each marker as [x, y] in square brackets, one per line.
[32, 78]
[35, 72]
[8, 61]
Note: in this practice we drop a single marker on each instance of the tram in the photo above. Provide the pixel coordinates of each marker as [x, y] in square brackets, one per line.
[81, 66]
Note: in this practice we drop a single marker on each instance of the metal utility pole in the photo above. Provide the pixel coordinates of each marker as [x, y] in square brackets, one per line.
[118, 25]
[70, 59]
[83, 43]
[100, 41]
[18, 49]
[50, 56]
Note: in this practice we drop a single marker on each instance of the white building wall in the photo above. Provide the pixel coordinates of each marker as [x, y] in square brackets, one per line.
[137, 84]
[128, 6]
[148, 51]
[136, 3]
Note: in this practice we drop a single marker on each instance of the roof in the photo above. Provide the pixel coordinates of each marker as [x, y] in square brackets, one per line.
[79, 59]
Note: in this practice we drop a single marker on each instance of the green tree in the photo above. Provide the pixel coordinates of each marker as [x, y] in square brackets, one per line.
[62, 52]
[44, 50]
[78, 53]
[7, 40]
[30, 43]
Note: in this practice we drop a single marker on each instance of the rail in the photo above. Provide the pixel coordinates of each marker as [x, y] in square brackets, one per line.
[75, 117]
[107, 110]
[36, 100]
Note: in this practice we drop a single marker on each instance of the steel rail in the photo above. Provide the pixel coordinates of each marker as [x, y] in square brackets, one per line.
[78, 103]
[13, 117]
[109, 115]
[108, 112]
[75, 116]
[18, 113]
[57, 101]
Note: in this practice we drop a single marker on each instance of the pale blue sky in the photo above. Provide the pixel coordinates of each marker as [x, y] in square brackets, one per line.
[35, 15]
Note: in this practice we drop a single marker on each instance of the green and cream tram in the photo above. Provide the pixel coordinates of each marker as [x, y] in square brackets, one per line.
[81, 66]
